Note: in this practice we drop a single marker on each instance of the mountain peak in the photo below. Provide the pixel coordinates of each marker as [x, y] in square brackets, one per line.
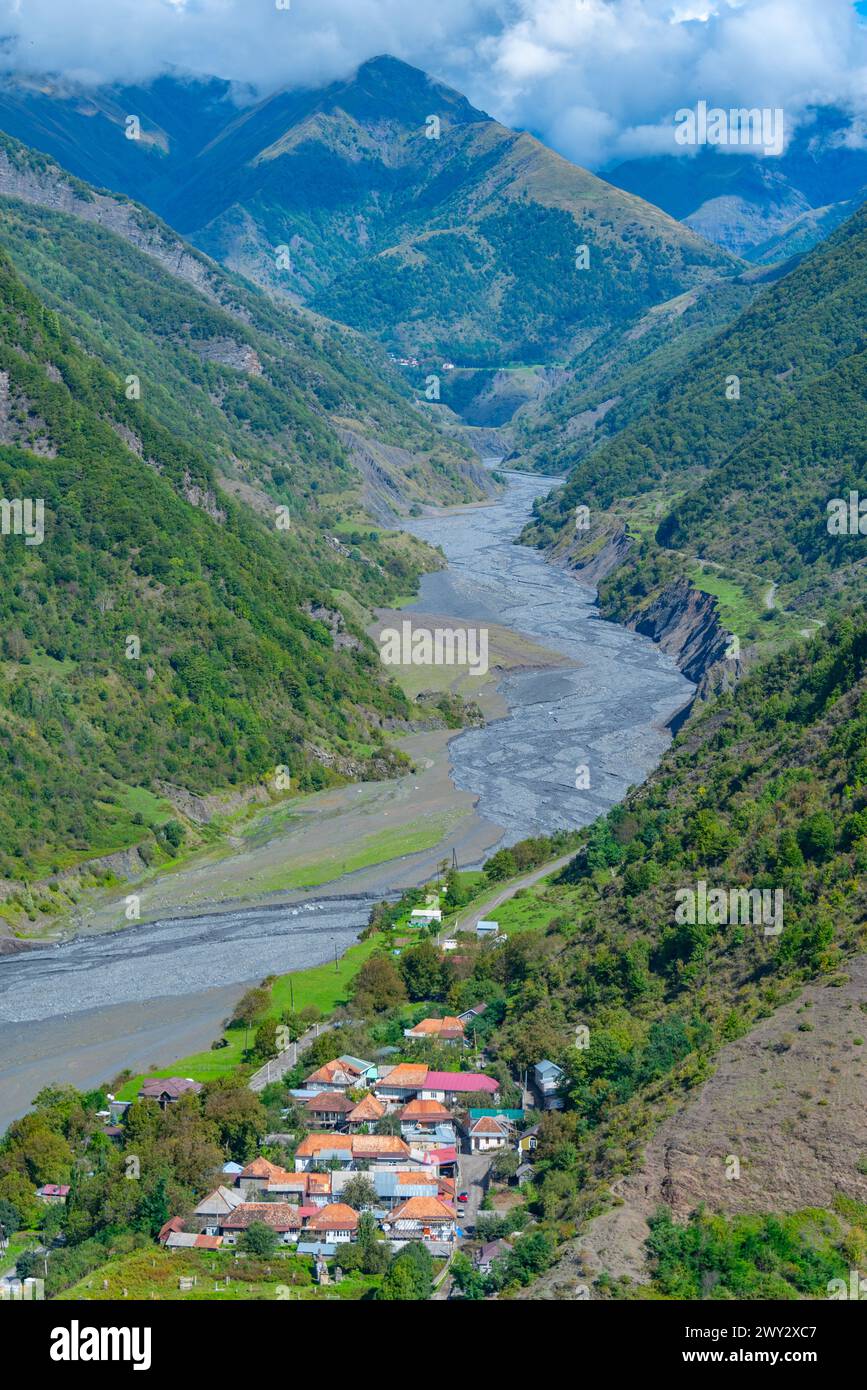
[399, 89]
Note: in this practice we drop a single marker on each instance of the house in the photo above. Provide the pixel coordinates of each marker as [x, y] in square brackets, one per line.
[258, 1176]
[469, 1016]
[427, 1124]
[165, 1090]
[367, 1071]
[524, 1173]
[489, 1132]
[492, 1250]
[349, 1150]
[188, 1240]
[171, 1227]
[284, 1220]
[323, 1148]
[117, 1109]
[367, 1112]
[451, 1086]
[547, 1077]
[392, 1187]
[337, 1224]
[53, 1193]
[424, 1115]
[329, 1109]
[528, 1142]
[423, 916]
[436, 1030]
[342, 1074]
[399, 1084]
[234, 1170]
[421, 1218]
[485, 929]
[221, 1202]
[379, 1148]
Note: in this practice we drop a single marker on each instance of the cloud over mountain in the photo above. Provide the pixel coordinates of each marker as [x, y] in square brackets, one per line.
[597, 79]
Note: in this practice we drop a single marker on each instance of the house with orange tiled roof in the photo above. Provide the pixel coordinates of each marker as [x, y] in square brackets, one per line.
[336, 1223]
[365, 1113]
[258, 1176]
[490, 1132]
[400, 1084]
[341, 1074]
[349, 1150]
[284, 1220]
[427, 1124]
[436, 1030]
[421, 1218]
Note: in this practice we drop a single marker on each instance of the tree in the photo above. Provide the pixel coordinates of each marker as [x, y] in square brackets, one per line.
[153, 1210]
[377, 985]
[817, 836]
[359, 1192]
[471, 1283]
[409, 1277]
[259, 1239]
[239, 1115]
[373, 1254]
[250, 1008]
[423, 972]
[10, 1218]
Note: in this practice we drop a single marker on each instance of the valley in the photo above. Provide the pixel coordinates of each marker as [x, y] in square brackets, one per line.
[433, 683]
[604, 702]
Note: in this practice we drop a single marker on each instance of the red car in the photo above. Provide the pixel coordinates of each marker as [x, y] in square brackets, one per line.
[463, 1196]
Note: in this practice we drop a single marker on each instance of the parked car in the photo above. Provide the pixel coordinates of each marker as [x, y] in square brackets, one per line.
[463, 1196]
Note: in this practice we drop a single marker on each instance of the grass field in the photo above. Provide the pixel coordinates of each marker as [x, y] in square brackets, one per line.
[154, 1273]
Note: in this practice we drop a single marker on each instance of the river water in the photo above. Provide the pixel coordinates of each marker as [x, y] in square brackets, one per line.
[604, 710]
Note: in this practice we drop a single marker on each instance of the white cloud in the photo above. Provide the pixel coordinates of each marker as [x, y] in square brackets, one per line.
[598, 79]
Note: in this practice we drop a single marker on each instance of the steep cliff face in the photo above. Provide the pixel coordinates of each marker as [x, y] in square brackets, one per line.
[686, 624]
[681, 619]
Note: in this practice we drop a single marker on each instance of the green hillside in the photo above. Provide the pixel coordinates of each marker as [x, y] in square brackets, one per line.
[267, 391]
[234, 677]
[768, 790]
[459, 246]
[726, 478]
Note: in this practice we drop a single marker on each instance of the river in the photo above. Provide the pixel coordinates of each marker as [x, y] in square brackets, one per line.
[82, 1010]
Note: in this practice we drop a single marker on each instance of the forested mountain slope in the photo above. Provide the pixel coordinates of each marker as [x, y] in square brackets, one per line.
[727, 478]
[158, 629]
[463, 245]
[288, 406]
[767, 790]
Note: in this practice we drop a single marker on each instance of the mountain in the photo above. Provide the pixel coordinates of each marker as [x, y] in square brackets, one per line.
[292, 409]
[749, 202]
[724, 481]
[708, 1038]
[464, 246]
[158, 630]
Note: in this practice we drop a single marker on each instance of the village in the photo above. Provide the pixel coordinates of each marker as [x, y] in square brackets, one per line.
[384, 1129]
[423, 1180]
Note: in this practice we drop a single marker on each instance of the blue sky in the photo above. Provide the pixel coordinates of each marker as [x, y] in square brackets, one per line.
[597, 79]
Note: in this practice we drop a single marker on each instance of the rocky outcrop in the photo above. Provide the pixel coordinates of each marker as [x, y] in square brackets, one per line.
[685, 623]
[610, 554]
[201, 810]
